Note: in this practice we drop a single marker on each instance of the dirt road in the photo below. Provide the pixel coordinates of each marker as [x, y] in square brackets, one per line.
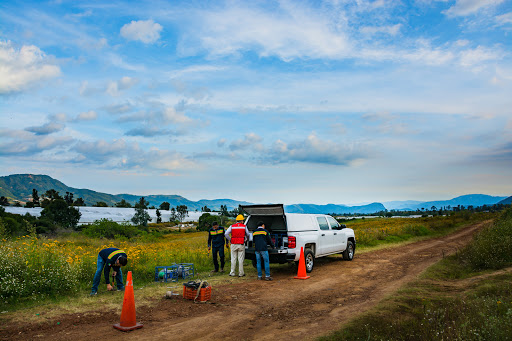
[283, 309]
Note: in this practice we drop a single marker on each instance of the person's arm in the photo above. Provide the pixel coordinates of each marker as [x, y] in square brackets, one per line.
[209, 239]
[106, 271]
[227, 234]
[269, 241]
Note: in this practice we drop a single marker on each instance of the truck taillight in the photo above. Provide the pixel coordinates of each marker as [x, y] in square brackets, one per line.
[291, 242]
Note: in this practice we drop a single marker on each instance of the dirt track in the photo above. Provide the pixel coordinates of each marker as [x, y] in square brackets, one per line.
[283, 309]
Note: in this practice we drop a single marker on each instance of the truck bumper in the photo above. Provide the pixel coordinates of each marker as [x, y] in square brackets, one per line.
[280, 256]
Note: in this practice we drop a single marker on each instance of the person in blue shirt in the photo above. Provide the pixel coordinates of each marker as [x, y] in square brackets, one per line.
[216, 240]
[261, 238]
[109, 258]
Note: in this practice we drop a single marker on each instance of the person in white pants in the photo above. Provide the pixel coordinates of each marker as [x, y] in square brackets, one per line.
[237, 234]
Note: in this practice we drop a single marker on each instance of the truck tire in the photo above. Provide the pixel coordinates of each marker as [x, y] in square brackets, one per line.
[309, 259]
[348, 254]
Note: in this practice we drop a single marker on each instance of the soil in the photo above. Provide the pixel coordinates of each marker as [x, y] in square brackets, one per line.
[282, 309]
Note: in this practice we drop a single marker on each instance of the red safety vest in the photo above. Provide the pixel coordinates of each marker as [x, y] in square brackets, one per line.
[238, 233]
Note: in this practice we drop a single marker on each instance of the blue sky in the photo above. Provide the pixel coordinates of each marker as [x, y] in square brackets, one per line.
[265, 101]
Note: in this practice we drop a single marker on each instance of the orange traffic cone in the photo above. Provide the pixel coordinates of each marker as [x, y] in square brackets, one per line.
[301, 273]
[128, 321]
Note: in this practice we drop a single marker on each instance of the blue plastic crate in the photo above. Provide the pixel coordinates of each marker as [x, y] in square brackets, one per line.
[174, 272]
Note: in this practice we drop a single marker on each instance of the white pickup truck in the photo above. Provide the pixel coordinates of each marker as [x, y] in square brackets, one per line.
[319, 234]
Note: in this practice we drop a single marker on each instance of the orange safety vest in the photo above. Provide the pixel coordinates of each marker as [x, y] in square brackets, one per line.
[238, 233]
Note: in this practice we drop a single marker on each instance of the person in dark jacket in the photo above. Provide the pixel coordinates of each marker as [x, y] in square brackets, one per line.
[216, 240]
[109, 258]
[261, 238]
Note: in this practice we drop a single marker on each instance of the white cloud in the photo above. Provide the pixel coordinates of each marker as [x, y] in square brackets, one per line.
[147, 31]
[315, 150]
[477, 56]
[290, 32]
[504, 18]
[391, 30]
[250, 140]
[90, 115]
[124, 83]
[45, 129]
[468, 7]
[24, 67]
[170, 115]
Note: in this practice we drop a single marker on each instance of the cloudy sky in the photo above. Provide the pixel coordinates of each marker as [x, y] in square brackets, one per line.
[347, 101]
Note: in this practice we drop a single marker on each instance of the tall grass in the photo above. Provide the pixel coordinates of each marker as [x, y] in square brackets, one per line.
[33, 268]
[478, 308]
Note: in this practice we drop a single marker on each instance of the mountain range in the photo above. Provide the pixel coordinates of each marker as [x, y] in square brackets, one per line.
[18, 187]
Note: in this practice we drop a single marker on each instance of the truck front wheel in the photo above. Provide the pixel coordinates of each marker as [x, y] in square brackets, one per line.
[348, 254]
[309, 258]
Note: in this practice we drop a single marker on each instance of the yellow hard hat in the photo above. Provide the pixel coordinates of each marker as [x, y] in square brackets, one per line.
[239, 217]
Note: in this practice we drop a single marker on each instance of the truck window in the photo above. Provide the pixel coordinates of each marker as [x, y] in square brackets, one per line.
[323, 223]
[333, 222]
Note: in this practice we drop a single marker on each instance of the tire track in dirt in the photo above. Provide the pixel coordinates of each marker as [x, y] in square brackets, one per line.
[283, 309]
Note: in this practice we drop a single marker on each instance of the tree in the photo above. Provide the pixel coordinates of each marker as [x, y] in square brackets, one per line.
[182, 211]
[49, 196]
[123, 203]
[141, 216]
[4, 201]
[79, 202]
[35, 197]
[224, 210]
[142, 203]
[69, 198]
[165, 206]
[205, 221]
[59, 213]
[174, 215]
[158, 216]
[100, 204]
[205, 209]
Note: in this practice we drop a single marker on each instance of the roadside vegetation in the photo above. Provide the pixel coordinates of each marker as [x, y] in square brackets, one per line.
[376, 232]
[50, 266]
[467, 296]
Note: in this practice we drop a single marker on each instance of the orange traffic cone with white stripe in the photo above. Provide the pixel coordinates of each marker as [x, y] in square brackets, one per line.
[128, 320]
[301, 273]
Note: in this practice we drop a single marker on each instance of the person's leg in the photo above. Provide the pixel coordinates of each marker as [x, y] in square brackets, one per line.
[258, 263]
[97, 276]
[221, 256]
[241, 258]
[264, 254]
[233, 259]
[119, 280]
[215, 262]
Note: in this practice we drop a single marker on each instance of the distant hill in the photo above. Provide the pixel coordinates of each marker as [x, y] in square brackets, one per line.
[506, 201]
[332, 208]
[19, 187]
[463, 200]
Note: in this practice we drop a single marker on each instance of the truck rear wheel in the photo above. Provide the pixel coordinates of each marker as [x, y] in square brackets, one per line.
[309, 258]
[348, 254]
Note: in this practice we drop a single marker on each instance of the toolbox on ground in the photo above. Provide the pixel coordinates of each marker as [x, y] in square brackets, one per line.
[190, 291]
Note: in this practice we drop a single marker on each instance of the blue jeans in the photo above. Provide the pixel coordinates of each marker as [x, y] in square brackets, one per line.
[264, 256]
[97, 276]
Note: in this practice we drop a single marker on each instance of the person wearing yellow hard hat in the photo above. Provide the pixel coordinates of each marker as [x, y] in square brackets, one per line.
[237, 234]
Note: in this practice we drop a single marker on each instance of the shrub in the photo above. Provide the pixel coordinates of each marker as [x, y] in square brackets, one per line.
[106, 228]
[492, 247]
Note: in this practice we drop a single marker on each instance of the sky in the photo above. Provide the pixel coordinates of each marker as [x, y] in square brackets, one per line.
[344, 102]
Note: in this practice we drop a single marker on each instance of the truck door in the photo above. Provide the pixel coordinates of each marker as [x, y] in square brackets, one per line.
[339, 238]
[325, 239]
